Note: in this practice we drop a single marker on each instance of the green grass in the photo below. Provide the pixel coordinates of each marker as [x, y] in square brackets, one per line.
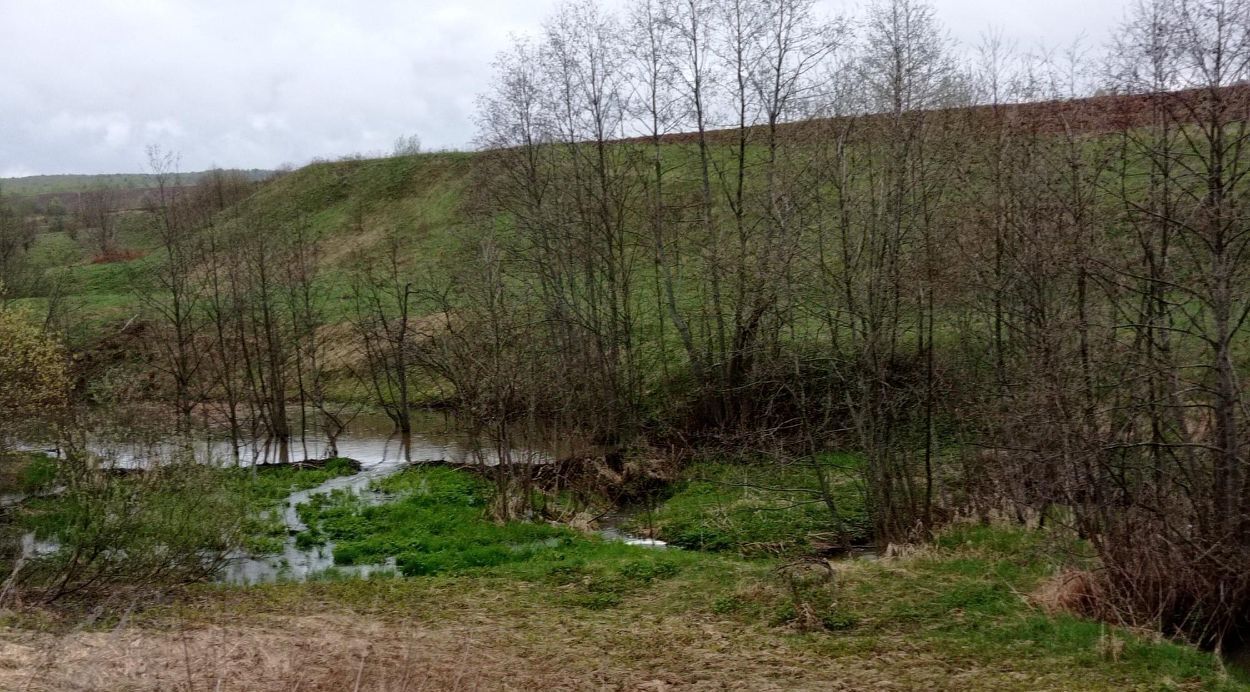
[250, 497]
[760, 508]
[26, 472]
[436, 524]
[961, 605]
[965, 600]
[263, 490]
[269, 484]
[958, 610]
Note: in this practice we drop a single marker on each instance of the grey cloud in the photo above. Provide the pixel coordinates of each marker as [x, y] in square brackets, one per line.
[86, 84]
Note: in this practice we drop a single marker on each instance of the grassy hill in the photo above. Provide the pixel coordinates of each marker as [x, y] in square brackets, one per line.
[353, 204]
[350, 204]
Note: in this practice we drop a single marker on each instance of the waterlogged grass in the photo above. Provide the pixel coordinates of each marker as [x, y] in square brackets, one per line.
[246, 501]
[960, 607]
[263, 490]
[761, 508]
[27, 472]
[269, 484]
[436, 525]
[959, 612]
[956, 612]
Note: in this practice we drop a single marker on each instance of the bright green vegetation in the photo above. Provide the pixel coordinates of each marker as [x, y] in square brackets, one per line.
[960, 608]
[762, 509]
[436, 524]
[269, 484]
[964, 600]
[134, 530]
[263, 490]
[969, 598]
[26, 472]
[161, 512]
[963, 606]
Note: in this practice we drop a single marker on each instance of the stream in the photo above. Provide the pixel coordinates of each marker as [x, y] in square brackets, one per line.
[299, 564]
[369, 440]
[378, 459]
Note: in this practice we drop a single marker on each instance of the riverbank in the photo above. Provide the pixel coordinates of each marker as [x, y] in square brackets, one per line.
[959, 615]
[463, 602]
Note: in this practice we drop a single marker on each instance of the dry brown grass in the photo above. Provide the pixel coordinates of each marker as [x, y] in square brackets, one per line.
[1074, 592]
[343, 350]
[296, 653]
[498, 634]
[352, 652]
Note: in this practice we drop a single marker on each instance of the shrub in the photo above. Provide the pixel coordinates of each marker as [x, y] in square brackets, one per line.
[39, 473]
[33, 375]
[174, 524]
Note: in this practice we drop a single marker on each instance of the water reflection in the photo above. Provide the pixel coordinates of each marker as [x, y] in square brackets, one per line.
[126, 441]
[129, 440]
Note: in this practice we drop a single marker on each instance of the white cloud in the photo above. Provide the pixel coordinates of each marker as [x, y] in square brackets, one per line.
[86, 84]
[101, 130]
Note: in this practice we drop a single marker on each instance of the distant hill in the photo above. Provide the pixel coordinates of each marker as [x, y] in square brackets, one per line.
[58, 184]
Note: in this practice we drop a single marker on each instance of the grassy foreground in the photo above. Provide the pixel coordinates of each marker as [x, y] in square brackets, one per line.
[528, 606]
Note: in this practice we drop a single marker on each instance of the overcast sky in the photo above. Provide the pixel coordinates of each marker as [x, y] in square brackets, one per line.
[85, 85]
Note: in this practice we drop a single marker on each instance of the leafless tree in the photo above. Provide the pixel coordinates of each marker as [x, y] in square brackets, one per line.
[173, 291]
[97, 209]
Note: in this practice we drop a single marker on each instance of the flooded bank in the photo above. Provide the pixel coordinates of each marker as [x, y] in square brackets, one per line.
[121, 440]
[126, 440]
[294, 563]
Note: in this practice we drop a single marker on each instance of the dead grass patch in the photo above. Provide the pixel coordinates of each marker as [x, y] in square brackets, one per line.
[306, 653]
[1072, 592]
[501, 646]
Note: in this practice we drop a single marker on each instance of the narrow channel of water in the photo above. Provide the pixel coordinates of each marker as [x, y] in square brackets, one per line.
[298, 564]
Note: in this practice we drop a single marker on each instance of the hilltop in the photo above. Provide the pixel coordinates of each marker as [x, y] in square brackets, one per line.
[26, 186]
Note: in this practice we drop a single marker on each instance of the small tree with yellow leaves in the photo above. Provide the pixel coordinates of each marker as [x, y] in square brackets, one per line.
[33, 375]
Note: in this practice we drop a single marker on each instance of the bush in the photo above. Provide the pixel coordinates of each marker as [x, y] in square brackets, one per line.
[39, 474]
[174, 524]
[33, 375]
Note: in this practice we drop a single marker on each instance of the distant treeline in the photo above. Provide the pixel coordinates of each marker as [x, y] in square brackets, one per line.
[34, 185]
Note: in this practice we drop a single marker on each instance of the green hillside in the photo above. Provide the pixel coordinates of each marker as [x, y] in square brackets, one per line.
[348, 204]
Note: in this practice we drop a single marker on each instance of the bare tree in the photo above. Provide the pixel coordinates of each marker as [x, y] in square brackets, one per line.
[173, 291]
[384, 318]
[97, 209]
